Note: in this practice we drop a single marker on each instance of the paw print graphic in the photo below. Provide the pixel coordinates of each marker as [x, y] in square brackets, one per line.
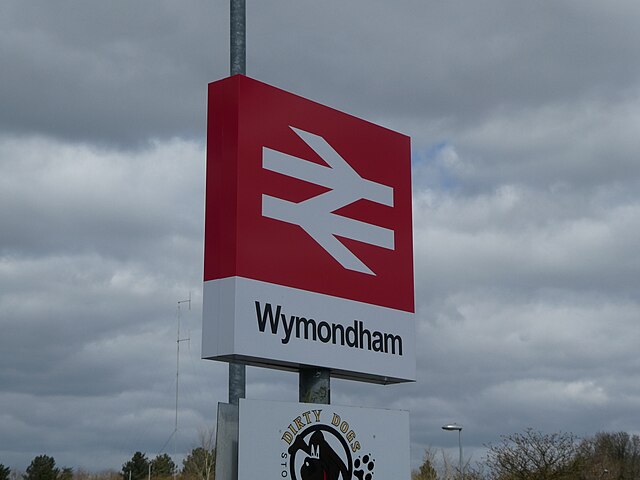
[364, 467]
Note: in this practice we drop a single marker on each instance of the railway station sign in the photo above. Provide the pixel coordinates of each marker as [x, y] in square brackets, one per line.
[308, 255]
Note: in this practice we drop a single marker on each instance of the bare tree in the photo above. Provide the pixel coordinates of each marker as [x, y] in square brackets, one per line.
[533, 455]
[610, 456]
[449, 469]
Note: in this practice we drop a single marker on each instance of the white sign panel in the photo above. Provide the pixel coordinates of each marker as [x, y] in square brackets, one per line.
[286, 324]
[307, 441]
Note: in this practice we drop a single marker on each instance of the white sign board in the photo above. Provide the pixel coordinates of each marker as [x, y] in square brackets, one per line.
[307, 441]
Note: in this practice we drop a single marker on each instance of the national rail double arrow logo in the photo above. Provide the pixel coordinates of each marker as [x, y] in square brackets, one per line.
[316, 215]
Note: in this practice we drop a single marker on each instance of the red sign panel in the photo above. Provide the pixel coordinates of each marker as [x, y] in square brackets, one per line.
[305, 196]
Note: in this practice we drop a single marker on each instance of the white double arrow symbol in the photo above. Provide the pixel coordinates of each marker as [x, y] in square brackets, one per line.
[316, 215]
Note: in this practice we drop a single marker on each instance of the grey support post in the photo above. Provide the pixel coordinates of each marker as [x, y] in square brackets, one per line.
[314, 385]
[238, 49]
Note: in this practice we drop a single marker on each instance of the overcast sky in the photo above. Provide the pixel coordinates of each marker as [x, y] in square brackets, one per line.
[525, 126]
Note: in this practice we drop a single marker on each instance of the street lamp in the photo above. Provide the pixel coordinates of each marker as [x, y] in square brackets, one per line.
[453, 427]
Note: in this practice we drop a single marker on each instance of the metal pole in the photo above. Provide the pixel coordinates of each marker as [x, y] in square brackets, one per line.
[178, 340]
[238, 37]
[238, 63]
[452, 427]
[314, 385]
[460, 460]
[175, 427]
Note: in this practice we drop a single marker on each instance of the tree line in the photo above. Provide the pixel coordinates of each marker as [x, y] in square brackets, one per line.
[533, 455]
[198, 465]
[530, 455]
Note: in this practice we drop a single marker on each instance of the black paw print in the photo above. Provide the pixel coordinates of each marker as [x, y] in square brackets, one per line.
[364, 467]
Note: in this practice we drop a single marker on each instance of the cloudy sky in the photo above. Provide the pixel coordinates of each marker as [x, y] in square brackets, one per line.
[525, 126]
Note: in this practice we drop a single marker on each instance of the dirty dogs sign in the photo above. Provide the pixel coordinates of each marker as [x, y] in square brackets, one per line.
[295, 441]
[308, 244]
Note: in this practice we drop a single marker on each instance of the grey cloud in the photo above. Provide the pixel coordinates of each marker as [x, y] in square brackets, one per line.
[452, 60]
[109, 73]
[57, 198]
[122, 74]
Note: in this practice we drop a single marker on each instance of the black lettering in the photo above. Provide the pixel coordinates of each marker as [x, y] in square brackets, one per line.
[288, 328]
[393, 339]
[310, 323]
[327, 337]
[378, 345]
[354, 336]
[335, 328]
[352, 333]
[267, 314]
[364, 332]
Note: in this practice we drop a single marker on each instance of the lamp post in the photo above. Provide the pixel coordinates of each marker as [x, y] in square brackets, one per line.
[452, 427]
